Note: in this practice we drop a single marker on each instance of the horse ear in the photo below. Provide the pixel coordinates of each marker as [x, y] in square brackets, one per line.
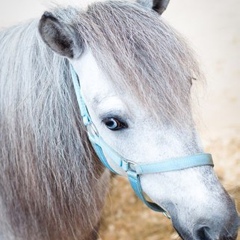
[157, 5]
[60, 37]
[160, 5]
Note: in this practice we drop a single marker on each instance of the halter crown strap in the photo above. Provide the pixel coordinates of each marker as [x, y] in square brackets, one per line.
[133, 170]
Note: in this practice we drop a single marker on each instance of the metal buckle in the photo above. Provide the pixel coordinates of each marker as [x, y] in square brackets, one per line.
[131, 166]
[128, 165]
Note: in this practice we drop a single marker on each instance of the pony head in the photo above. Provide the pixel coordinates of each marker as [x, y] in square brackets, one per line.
[135, 74]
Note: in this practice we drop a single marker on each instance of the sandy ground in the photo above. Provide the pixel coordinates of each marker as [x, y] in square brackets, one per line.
[213, 30]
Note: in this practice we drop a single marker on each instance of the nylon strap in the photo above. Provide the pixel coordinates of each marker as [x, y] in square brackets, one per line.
[133, 170]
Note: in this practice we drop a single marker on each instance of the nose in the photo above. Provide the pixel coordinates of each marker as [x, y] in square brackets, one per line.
[218, 225]
[204, 232]
[207, 233]
[210, 225]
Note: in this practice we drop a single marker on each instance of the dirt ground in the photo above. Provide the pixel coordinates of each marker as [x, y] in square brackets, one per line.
[213, 30]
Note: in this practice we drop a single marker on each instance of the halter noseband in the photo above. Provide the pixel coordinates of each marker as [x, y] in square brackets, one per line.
[133, 170]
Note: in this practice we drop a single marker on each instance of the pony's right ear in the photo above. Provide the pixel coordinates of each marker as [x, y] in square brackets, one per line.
[60, 37]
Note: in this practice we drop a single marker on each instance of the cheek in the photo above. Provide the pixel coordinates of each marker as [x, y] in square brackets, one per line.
[131, 144]
[143, 142]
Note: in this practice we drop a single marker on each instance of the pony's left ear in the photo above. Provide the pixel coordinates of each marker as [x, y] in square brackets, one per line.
[157, 5]
[62, 38]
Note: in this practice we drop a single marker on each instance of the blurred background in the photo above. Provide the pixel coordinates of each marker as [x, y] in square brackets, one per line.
[212, 29]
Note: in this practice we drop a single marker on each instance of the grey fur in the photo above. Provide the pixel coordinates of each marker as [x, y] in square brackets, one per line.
[50, 184]
[149, 55]
[67, 43]
[48, 174]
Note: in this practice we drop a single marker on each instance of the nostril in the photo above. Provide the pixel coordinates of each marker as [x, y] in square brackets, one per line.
[203, 233]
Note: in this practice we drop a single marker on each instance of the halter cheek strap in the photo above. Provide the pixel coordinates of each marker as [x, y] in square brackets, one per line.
[132, 169]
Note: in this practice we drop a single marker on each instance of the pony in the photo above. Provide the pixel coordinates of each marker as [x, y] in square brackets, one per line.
[136, 74]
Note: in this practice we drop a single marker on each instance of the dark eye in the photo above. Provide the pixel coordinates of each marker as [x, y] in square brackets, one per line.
[114, 124]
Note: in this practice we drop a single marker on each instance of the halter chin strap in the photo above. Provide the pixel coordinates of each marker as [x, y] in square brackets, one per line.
[132, 169]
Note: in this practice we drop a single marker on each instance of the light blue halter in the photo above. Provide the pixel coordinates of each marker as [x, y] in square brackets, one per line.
[133, 170]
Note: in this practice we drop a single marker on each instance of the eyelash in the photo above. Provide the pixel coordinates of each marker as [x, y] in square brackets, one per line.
[114, 123]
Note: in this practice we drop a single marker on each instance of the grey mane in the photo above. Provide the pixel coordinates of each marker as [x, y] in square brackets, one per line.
[48, 173]
[140, 52]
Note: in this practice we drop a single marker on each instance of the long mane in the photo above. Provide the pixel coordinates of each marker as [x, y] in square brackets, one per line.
[48, 173]
[47, 170]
